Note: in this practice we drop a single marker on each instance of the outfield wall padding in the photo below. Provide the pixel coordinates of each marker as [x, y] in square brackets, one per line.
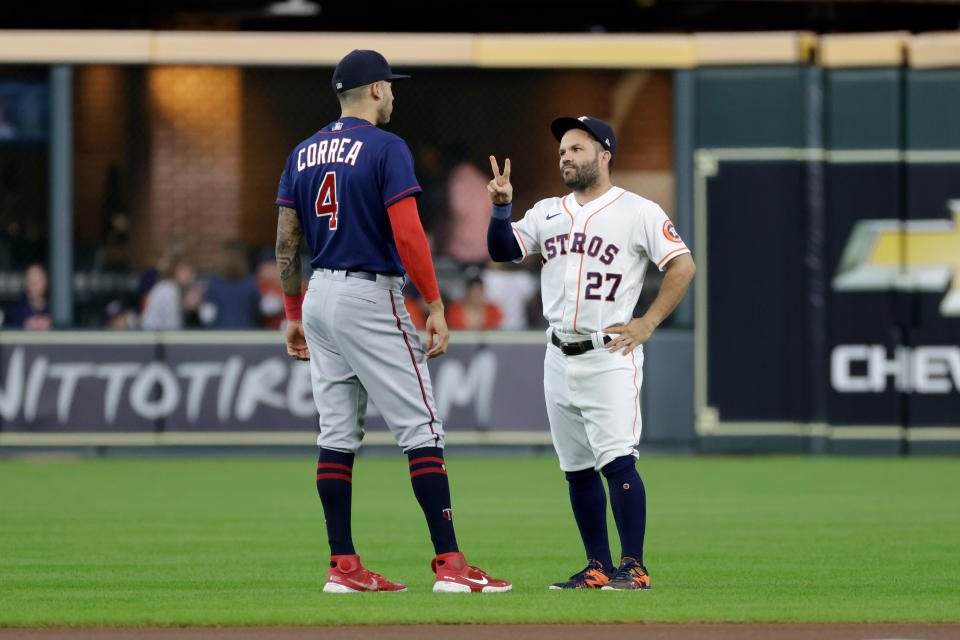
[829, 291]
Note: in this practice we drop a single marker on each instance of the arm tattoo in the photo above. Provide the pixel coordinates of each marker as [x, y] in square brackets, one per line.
[289, 234]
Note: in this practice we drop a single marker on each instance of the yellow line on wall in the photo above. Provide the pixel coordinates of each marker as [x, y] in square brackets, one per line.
[585, 51]
[531, 50]
[862, 49]
[313, 49]
[42, 46]
[783, 47]
[931, 50]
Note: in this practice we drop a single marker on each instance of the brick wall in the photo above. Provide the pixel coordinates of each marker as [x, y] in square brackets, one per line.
[194, 160]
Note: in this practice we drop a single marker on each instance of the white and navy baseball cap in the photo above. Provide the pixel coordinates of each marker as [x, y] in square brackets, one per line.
[595, 127]
[360, 67]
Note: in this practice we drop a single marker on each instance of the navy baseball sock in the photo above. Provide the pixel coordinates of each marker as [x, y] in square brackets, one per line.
[589, 502]
[334, 484]
[428, 475]
[629, 502]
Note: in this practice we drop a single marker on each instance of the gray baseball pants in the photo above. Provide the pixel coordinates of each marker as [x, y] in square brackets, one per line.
[363, 344]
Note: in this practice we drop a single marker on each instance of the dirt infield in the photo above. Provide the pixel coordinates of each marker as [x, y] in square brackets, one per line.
[651, 631]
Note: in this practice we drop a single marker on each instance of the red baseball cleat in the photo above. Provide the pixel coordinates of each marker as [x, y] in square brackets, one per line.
[347, 575]
[454, 575]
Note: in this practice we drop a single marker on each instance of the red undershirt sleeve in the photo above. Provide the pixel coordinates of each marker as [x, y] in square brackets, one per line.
[413, 248]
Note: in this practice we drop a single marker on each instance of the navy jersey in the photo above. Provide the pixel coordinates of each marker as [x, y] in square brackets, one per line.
[341, 181]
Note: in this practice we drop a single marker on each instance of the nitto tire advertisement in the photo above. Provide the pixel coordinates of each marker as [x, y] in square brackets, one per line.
[166, 387]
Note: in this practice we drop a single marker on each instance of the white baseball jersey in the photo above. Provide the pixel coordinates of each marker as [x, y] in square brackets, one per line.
[594, 256]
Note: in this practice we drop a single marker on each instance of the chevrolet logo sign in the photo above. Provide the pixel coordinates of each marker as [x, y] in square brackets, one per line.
[911, 255]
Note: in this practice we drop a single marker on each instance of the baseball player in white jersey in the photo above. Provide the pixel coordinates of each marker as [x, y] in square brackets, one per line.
[595, 245]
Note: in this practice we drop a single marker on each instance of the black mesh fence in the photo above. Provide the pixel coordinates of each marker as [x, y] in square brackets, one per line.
[176, 169]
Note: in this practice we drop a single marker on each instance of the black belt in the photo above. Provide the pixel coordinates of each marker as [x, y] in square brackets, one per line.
[363, 275]
[574, 348]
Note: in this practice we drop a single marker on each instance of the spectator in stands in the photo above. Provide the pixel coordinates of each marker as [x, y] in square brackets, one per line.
[171, 251]
[469, 214]
[474, 312]
[192, 304]
[271, 292]
[33, 311]
[232, 300]
[511, 288]
[164, 308]
[118, 317]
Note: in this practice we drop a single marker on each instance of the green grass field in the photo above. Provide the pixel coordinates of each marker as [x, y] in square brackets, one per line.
[242, 542]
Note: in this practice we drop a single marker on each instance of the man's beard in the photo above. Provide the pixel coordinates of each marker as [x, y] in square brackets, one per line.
[583, 177]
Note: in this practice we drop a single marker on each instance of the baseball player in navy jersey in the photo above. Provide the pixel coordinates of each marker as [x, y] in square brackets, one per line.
[350, 189]
[595, 244]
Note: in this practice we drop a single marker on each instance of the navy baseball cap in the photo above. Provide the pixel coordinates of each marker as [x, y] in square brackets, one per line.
[360, 67]
[597, 128]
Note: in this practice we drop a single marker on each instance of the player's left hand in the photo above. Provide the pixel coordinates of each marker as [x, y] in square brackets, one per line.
[437, 328]
[631, 335]
[296, 341]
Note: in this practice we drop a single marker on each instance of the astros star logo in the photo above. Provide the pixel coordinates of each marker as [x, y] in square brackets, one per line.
[670, 232]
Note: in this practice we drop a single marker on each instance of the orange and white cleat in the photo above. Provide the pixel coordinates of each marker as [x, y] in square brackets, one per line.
[631, 575]
[347, 575]
[454, 575]
[593, 576]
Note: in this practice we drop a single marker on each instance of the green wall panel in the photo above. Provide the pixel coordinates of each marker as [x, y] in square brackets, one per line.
[863, 108]
[933, 109]
[750, 107]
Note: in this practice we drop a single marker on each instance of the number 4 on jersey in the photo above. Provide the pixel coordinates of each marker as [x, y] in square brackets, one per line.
[327, 198]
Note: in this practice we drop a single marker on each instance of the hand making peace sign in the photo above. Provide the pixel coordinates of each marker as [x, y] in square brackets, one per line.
[500, 189]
